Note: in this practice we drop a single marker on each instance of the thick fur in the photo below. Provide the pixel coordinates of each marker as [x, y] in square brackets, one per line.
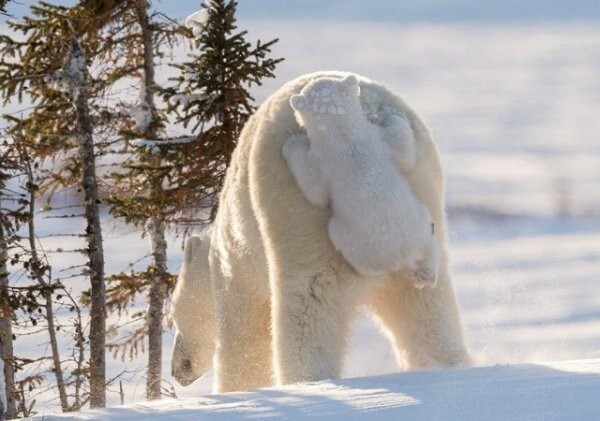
[193, 312]
[348, 163]
[284, 296]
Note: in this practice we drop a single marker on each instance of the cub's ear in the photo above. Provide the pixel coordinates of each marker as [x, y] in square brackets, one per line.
[298, 102]
[351, 85]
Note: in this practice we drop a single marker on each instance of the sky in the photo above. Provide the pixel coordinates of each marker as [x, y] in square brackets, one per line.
[406, 11]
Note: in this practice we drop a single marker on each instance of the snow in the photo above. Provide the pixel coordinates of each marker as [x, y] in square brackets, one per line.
[154, 146]
[141, 112]
[548, 391]
[197, 20]
[150, 143]
[185, 100]
[142, 115]
[71, 79]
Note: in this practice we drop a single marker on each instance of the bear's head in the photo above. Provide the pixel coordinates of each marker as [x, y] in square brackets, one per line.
[327, 98]
[193, 313]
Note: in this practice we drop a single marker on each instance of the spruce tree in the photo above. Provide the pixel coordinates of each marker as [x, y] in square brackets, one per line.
[162, 183]
[134, 40]
[211, 95]
[9, 223]
[78, 74]
[49, 66]
[3, 6]
[24, 300]
[171, 181]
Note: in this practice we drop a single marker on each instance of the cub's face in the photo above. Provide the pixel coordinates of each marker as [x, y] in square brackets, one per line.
[326, 98]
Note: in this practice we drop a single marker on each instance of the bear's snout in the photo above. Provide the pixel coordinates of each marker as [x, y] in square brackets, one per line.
[181, 365]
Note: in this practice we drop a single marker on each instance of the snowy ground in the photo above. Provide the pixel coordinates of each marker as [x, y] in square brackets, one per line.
[515, 111]
[533, 392]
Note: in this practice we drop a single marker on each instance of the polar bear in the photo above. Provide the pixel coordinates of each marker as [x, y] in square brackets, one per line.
[284, 297]
[355, 167]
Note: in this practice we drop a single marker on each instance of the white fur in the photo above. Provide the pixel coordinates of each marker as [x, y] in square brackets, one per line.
[284, 296]
[347, 161]
[193, 312]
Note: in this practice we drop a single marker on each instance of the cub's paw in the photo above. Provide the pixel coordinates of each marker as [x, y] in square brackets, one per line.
[294, 145]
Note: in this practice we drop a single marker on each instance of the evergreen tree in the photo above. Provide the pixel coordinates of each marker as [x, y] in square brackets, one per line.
[60, 125]
[174, 180]
[211, 96]
[22, 301]
[9, 222]
[162, 182]
[77, 72]
[3, 6]
[134, 39]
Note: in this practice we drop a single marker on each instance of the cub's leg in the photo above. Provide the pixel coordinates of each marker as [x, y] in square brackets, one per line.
[397, 133]
[305, 170]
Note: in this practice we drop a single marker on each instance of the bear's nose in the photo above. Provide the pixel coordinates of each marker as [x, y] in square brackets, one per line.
[182, 372]
[186, 365]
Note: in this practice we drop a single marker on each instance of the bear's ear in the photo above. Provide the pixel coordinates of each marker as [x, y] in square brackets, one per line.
[298, 102]
[351, 85]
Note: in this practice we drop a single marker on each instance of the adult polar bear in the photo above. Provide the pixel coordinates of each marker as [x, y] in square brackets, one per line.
[284, 297]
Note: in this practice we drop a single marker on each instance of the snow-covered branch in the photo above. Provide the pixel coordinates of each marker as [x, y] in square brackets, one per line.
[71, 79]
[197, 20]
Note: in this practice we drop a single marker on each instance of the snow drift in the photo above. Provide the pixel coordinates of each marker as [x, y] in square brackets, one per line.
[548, 391]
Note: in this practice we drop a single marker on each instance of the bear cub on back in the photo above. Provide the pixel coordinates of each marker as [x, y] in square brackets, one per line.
[356, 167]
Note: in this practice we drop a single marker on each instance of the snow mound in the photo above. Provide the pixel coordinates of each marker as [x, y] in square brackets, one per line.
[547, 391]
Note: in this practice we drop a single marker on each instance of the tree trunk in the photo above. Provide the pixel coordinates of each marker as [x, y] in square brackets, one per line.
[156, 299]
[6, 338]
[39, 276]
[58, 372]
[2, 391]
[156, 225]
[94, 239]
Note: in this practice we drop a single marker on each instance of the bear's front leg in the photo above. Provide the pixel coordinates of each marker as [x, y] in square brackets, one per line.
[304, 169]
[243, 358]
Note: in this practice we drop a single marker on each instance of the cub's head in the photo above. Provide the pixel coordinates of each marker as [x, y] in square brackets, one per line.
[327, 98]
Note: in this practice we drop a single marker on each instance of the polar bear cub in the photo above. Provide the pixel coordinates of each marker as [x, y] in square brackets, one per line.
[356, 167]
